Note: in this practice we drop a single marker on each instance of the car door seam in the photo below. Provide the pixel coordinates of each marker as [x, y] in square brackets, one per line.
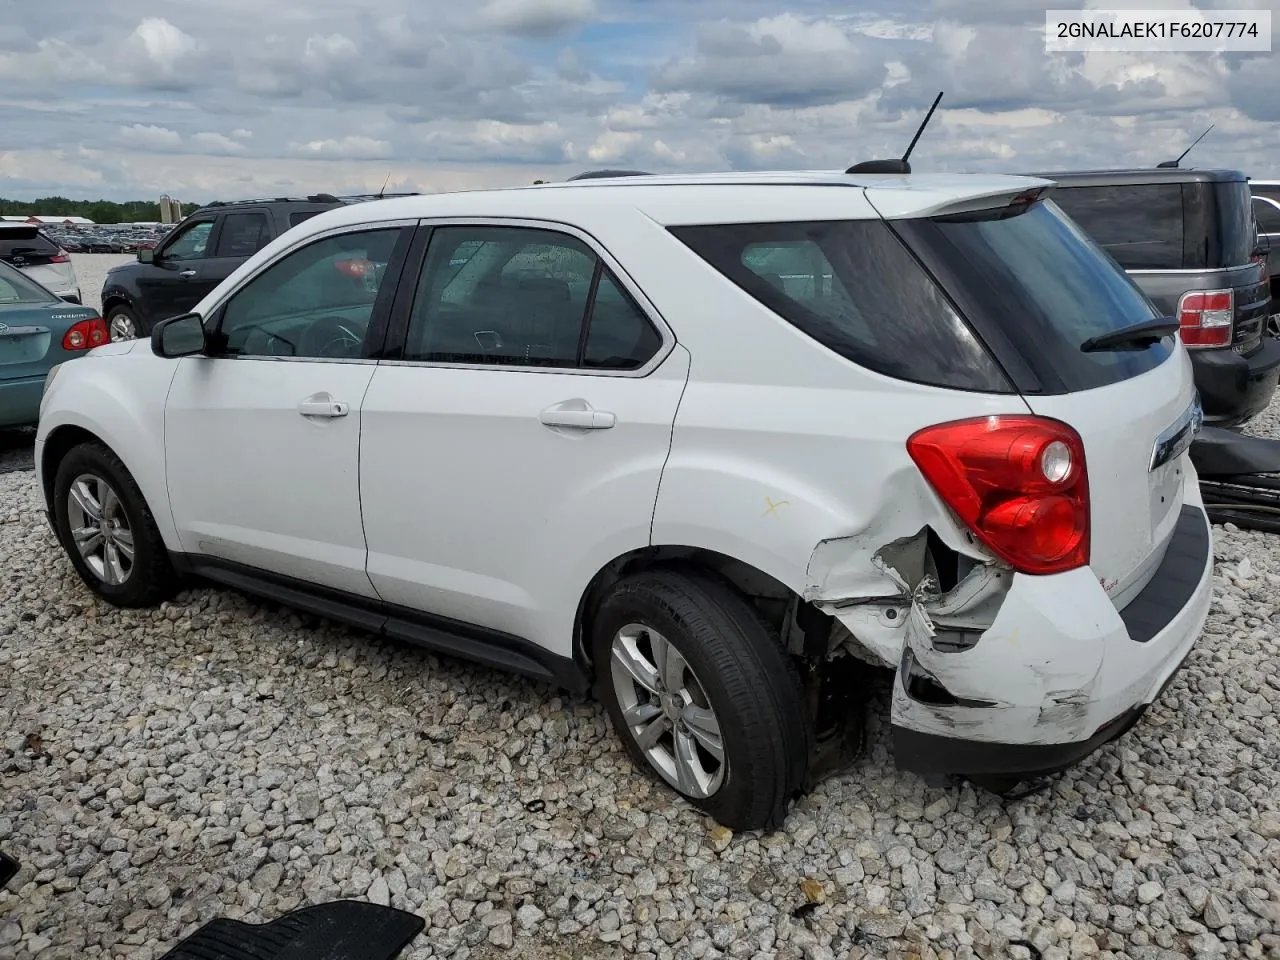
[364, 533]
[671, 435]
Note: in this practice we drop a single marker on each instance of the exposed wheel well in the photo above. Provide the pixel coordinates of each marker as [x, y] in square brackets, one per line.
[777, 603]
[112, 302]
[58, 444]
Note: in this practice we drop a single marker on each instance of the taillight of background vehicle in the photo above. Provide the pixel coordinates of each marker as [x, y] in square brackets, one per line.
[60, 257]
[1205, 317]
[1018, 482]
[86, 334]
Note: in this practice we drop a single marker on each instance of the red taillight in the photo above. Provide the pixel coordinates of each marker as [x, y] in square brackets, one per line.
[86, 334]
[1018, 482]
[1205, 318]
[60, 257]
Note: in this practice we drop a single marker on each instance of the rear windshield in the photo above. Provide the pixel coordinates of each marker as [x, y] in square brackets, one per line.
[855, 288]
[16, 287]
[1036, 287]
[17, 241]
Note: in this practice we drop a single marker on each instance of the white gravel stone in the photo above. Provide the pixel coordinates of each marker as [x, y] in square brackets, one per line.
[225, 757]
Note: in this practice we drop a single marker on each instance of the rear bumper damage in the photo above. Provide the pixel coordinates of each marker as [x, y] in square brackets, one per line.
[1017, 676]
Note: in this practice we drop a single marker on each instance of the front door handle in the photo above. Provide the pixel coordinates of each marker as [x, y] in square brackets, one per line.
[322, 408]
[186, 274]
[577, 415]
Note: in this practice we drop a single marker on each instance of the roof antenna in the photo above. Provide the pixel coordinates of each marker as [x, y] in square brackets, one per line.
[1173, 164]
[384, 185]
[902, 165]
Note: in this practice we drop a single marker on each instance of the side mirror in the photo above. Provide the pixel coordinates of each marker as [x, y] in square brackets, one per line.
[146, 256]
[182, 336]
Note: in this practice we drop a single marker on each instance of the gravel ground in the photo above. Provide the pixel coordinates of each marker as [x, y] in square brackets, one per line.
[91, 270]
[222, 756]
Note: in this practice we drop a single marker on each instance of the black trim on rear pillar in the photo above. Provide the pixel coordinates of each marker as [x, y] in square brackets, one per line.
[492, 648]
[1175, 580]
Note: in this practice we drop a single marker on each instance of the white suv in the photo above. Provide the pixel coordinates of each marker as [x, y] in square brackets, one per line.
[26, 247]
[698, 441]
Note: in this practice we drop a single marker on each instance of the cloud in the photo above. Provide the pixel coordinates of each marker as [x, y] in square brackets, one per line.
[782, 61]
[537, 18]
[345, 147]
[150, 137]
[216, 142]
[229, 98]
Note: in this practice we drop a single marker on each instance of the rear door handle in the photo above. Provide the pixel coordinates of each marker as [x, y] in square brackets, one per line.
[186, 274]
[322, 408]
[577, 415]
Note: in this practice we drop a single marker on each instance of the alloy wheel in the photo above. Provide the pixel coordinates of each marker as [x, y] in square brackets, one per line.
[121, 328]
[666, 711]
[100, 529]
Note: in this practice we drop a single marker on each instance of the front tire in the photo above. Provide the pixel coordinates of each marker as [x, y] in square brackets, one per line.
[122, 324]
[703, 695]
[107, 530]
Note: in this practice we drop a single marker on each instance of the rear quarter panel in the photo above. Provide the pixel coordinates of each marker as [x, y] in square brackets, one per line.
[784, 455]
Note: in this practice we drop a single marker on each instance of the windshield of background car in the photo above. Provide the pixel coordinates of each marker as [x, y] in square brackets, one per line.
[1033, 282]
[16, 288]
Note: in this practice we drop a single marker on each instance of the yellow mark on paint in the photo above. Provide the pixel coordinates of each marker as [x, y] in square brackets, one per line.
[774, 505]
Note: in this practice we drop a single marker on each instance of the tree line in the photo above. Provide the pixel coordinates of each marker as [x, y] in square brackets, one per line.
[99, 211]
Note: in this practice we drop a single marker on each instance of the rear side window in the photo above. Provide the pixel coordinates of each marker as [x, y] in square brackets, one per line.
[1220, 224]
[855, 288]
[16, 288]
[297, 218]
[1140, 225]
[243, 234]
[1035, 285]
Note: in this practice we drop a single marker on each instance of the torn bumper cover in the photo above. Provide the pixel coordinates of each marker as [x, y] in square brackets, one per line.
[1059, 671]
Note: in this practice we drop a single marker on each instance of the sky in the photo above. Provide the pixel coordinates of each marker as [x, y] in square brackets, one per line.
[226, 99]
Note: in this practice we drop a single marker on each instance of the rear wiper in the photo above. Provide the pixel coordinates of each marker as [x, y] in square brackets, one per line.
[1132, 337]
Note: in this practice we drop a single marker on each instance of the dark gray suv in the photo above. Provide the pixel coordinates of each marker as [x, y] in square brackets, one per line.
[1188, 238]
[1266, 210]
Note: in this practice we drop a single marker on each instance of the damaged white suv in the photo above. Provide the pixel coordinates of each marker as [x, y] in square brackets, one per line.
[710, 444]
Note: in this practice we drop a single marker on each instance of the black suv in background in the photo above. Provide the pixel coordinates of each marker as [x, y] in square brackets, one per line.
[1266, 210]
[197, 255]
[1189, 240]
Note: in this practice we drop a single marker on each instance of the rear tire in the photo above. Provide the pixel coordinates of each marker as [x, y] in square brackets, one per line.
[681, 650]
[122, 324]
[107, 530]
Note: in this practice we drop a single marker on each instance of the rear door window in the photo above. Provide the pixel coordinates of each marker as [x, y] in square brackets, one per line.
[243, 234]
[1140, 225]
[855, 288]
[1036, 287]
[524, 297]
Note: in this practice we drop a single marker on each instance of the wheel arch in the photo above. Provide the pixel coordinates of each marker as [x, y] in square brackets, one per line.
[772, 598]
[59, 442]
[123, 431]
